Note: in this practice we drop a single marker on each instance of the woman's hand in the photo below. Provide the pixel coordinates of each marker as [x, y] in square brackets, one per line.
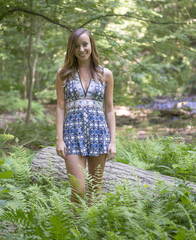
[111, 151]
[61, 149]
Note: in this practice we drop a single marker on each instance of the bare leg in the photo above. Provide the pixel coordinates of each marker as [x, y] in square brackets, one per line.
[75, 165]
[96, 165]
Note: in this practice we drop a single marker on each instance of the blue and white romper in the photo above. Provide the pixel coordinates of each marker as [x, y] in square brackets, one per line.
[85, 129]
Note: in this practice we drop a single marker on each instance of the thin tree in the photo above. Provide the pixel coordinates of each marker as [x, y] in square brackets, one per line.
[32, 66]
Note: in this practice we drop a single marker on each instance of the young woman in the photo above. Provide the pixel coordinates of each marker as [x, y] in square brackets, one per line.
[84, 132]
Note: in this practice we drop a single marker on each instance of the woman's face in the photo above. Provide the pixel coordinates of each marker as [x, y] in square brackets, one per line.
[83, 47]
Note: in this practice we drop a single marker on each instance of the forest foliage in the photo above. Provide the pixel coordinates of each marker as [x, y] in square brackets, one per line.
[149, 45]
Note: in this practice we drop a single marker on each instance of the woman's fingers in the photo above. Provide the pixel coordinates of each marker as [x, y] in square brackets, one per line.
[108, 154]
[62, 153]
[61, 149]
[111, 153]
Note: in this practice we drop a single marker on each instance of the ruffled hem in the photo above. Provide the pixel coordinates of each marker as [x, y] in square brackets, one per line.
[87, 155]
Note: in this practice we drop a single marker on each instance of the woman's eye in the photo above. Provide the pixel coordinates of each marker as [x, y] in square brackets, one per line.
[85, 44]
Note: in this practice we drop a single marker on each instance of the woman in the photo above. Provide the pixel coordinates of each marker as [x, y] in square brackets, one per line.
[83, 131]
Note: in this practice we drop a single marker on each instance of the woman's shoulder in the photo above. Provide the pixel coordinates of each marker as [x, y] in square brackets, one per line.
[107, 71]
[108, 76]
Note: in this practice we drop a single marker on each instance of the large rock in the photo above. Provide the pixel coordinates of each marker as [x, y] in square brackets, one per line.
[47, 161]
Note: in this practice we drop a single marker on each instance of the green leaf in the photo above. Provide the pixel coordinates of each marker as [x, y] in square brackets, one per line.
[4, 190]
[176, 165]
[181, 235]
[2, 161]
[185, 200]
[7, 174]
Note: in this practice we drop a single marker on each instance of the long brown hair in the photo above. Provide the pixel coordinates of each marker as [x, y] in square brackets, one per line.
[71, 63]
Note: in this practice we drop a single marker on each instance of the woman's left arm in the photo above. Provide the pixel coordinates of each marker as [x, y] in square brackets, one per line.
[109, 112]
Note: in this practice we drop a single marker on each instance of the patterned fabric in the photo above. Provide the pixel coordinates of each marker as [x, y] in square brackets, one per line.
[85, 128]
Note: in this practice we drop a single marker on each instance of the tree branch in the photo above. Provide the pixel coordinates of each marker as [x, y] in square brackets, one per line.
[36, 14]
[87, 22]
[128, 16]
[114, 40]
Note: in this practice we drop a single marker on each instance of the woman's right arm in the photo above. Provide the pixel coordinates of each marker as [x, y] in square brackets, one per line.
[60, 115]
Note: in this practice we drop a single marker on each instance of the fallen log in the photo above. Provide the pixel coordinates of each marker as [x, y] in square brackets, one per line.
[170, 107]
[48, 162]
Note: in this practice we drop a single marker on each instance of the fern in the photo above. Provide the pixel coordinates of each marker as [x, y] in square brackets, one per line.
[5, 138]
[41, 209]
[19, 162]
[167, 155]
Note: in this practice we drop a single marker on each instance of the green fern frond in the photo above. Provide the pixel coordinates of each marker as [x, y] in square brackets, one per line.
[5, 138]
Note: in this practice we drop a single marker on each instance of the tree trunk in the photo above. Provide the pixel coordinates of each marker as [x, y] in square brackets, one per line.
[23, 49]
[24, 82]
[30, 65]
[2, 69]
[37, 82]
[32, 68]
[48, 162]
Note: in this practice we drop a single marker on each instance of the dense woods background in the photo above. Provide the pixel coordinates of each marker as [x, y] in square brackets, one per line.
[150, 46]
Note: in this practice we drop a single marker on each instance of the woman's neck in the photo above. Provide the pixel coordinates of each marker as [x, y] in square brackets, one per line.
[84, 65]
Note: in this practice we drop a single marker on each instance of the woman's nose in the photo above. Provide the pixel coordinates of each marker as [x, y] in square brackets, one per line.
[81, 48]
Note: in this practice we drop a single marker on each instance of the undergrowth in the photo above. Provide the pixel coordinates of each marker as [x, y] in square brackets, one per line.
[35, 206]
[11, 102]
[33, 135]
[168, 155]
